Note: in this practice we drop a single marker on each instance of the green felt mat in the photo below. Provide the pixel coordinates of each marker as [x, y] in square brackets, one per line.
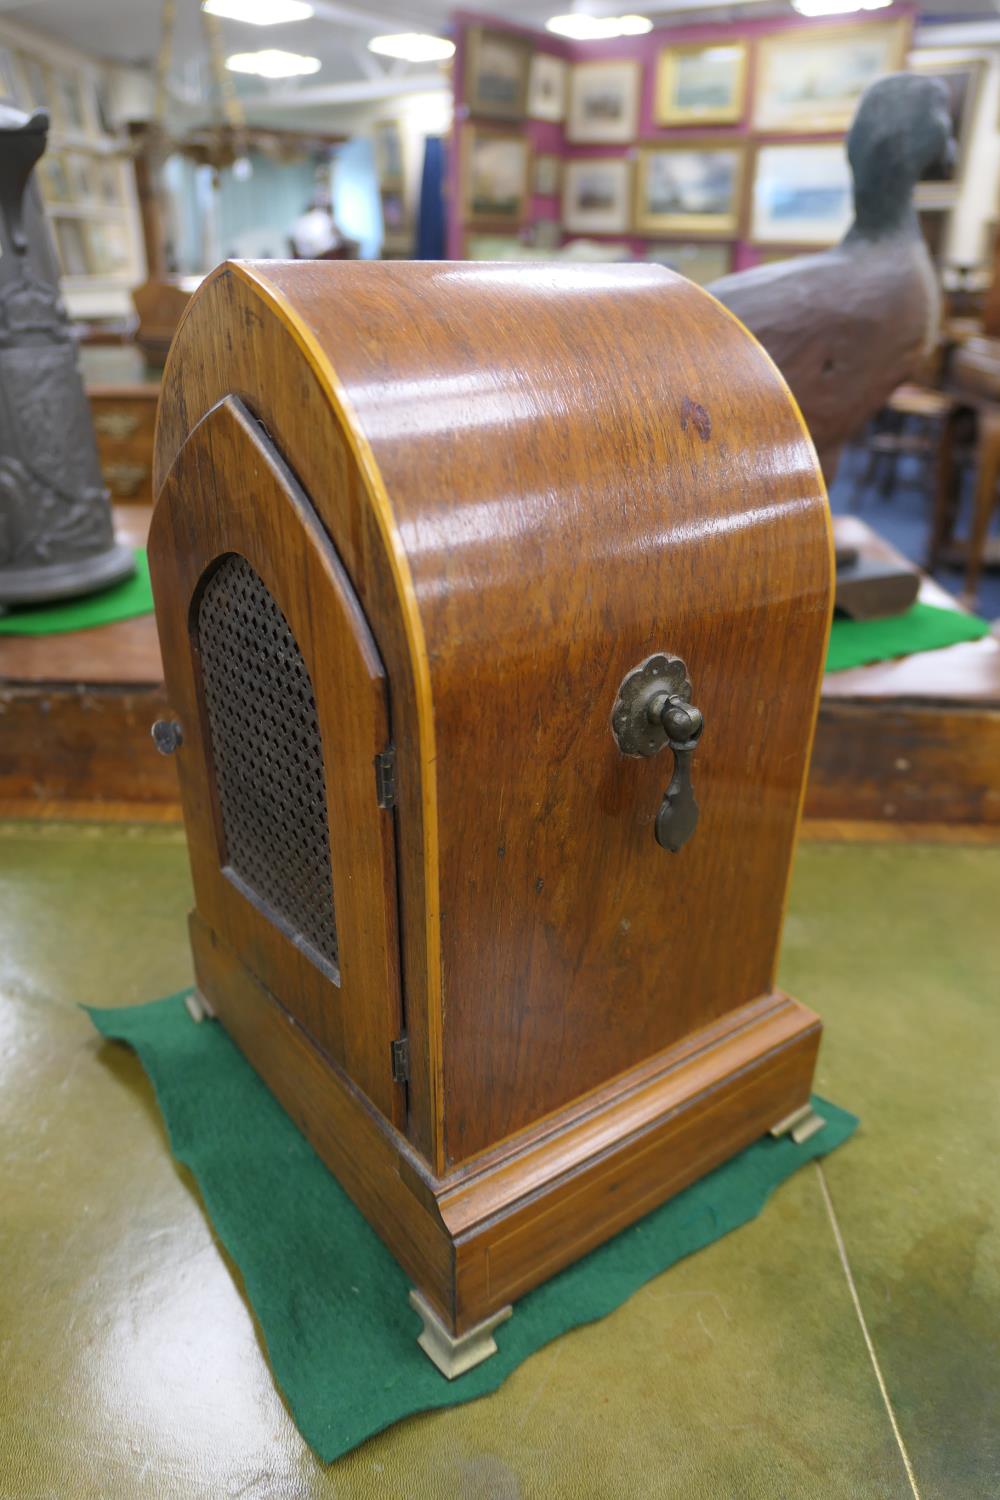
[923, 627]
[133, 596]
[330, 1299]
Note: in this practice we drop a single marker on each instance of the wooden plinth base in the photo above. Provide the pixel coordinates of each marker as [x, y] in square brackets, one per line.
[489, 1230]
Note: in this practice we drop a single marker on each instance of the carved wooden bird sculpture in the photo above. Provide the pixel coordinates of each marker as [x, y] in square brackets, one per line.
[848, 325]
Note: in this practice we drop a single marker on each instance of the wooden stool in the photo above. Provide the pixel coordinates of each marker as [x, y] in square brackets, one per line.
[909, 407]
[975, 394]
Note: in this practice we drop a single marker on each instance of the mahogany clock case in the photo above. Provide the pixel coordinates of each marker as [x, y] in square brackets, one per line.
[443, 512]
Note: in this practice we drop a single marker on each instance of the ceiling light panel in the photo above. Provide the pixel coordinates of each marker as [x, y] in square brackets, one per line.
[272, 63]
[259, 12]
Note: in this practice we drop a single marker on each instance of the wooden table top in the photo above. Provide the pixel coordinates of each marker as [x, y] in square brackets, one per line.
[126, 653]
[966, 673]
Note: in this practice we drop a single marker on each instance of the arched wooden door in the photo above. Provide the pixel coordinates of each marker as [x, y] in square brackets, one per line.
[275, 678]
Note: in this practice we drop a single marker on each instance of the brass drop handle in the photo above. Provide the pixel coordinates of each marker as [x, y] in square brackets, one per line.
[654, 709]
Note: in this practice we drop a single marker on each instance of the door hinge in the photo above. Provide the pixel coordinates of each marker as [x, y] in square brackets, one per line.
[401, 1060]
[385, 777]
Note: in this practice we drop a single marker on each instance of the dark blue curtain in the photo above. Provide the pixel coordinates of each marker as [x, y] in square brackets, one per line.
[430, 214]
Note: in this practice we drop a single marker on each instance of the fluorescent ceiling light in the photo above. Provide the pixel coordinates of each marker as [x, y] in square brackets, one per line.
[583, 28]
[259, 12]
[836, 7]
[272, 63]
[412, 46]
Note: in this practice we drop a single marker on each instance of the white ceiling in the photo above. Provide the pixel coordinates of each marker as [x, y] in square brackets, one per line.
[128, 31]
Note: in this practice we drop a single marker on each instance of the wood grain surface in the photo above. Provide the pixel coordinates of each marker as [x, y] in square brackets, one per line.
[228, 492]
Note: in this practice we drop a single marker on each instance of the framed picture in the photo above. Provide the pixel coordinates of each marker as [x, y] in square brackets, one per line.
[547, 173]
[496, 73]
[962, 78]
[692, 186]
[10, 90]
[495, 176]
[37, 86]
[699, 263]
[495, 247]
[547, 87]
[388, 144]
[701, 85]
[596, 195]
[604, 103]
[393, 211]
[546, 234]
[802, 194]
[71, 104]
[71, 248]
[811, 79]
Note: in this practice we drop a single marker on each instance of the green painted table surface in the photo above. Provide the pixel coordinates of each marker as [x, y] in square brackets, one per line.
[130, 1364]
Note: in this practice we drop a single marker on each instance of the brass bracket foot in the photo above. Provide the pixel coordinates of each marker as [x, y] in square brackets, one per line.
[198, 1007]
[453, 1356]
[802, 1124]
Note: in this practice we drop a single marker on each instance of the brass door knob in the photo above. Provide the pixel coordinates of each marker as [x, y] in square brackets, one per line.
[654, 709]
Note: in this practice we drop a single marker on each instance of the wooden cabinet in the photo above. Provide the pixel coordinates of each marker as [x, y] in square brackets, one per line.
[124, 420]
[475, 501]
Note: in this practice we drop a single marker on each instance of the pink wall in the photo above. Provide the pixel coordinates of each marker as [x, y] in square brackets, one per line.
[546, 137]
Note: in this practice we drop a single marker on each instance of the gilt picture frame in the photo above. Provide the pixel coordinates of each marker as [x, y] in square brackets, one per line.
[701, 84]
[692, 186]
[809, 79]
[495, 176]
[701, 263]
[496, 71]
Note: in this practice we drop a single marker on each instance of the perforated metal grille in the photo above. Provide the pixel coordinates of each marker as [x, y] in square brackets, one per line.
[268, 758]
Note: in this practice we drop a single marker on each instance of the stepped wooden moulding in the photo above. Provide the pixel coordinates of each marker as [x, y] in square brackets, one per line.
[432, 544]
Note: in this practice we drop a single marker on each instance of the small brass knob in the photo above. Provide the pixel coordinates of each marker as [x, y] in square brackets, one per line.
[654, 709]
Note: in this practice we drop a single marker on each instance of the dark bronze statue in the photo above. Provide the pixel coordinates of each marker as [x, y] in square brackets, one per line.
[847, 326]
[56, 535]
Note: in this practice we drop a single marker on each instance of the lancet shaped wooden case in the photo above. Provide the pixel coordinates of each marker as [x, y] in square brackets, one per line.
[493, 603]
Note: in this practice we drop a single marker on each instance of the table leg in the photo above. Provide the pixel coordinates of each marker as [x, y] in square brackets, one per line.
[945, 493]
[987, 474]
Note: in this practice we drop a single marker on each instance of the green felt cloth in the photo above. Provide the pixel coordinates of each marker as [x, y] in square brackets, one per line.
[923, 627]
[330, 1299]
[133, 596]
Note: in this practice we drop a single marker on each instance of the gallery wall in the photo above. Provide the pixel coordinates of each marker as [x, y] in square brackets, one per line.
[813, 152]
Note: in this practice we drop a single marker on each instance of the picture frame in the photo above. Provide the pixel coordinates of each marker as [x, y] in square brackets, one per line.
[394, 215]
[73, 108]
[700, 262]
[387, 143]
[693, 186]
[497, 64]
[547, 175]
[809, 79]
[603, 103]
[597, 195]
[495, 176]
[701, 84]
[547, 79]
[546, 234]
[962, 77]
[802, 194]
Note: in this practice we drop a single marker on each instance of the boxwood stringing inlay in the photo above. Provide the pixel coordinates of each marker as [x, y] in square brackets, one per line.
[268, 758]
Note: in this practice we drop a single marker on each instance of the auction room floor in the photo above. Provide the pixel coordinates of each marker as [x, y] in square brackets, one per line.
[845, 1344]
